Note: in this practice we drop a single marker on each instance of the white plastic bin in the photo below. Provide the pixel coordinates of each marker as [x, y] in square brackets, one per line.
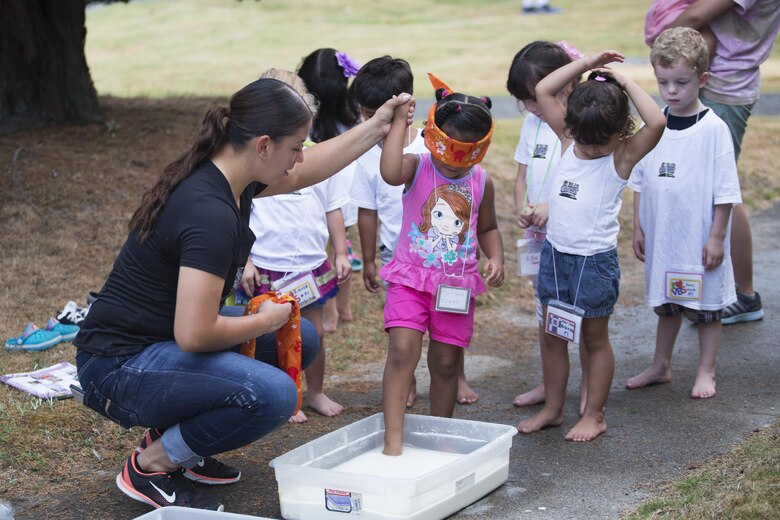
[186, 513]
[309, 487]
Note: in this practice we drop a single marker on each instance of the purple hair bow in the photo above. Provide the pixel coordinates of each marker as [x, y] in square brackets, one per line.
[349, 65]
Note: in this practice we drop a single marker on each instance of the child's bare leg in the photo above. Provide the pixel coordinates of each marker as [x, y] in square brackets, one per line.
[601, 369]
[660, 371]
[315, 373]
[330, 316]
[402, 358]
[584, 367]
[536, 395]
[709, 340]
[443, 365]
[343, 302]
[412, 393]
[555, 369]
[465, 393]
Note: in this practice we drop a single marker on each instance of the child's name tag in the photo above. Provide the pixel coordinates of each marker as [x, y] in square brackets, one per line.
[453, 299]
[564, 321]
[684, 286]
[302, 287]
[529, 254]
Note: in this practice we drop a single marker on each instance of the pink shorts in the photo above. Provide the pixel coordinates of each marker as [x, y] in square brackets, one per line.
[413, 309]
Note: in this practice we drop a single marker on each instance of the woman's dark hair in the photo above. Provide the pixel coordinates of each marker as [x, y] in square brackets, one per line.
[466, 118]
[380, 79]
[264, 107]
[324, 78]
[598, 109]
[531, 64]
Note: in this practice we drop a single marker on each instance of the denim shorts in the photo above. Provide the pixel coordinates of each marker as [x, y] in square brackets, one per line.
[596, 292]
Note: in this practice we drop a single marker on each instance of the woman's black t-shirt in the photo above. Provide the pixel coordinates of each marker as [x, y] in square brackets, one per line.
[200, 227]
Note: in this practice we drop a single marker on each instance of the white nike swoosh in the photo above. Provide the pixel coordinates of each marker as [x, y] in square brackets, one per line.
[170, 498]
[201, 463]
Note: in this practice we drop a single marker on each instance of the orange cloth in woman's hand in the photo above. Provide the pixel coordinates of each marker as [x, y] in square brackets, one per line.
[288, 339]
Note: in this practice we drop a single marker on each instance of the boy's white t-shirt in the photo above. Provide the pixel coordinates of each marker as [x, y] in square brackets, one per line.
[680, 182]
[540, 150]
[291, 229]
[370, 191]
[346, 178]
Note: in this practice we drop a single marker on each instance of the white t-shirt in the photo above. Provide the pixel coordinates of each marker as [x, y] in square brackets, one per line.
[292, 229]
[540, 150]
[346, 178]
[679, 190]
[585, 199]
[370, 191]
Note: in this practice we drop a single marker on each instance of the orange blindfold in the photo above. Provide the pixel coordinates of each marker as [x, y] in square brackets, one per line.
[448, 150]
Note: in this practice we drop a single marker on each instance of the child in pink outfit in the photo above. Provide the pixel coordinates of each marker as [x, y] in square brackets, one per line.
[663, 12]
[448, 206]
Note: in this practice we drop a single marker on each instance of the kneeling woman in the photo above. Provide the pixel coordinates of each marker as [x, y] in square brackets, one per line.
[158, 347]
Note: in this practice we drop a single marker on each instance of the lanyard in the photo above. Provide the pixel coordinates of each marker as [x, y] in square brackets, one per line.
[468, 230]
[531, 167]
[590, 243]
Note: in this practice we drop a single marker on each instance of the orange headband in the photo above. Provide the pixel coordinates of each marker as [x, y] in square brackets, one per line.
[448, 150]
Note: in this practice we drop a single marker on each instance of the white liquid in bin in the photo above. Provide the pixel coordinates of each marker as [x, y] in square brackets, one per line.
[446, 465]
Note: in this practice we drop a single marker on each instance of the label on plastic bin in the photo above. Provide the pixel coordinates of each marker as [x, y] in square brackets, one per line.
[340, 501]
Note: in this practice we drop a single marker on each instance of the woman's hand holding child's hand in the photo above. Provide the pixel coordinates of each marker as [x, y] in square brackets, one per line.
[385, 114]
[494, 272]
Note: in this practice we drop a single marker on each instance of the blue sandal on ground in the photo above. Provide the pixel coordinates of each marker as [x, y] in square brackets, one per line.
[68, 332]
[34, 338]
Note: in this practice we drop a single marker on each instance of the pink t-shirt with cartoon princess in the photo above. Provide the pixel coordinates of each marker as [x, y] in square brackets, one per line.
[438, 240]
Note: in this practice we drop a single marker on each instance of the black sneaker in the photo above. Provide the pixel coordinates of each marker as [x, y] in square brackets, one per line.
[161, 489]
[746, 308]
[207, 471]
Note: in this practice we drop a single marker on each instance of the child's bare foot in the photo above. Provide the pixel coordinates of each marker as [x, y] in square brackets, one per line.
[298, 418]
[412, 395]
[531, 397]
[545, 418]
[465, 394]
[323, 405]
[704, 387]
[587, 429]
[651, 376]
[345, 315]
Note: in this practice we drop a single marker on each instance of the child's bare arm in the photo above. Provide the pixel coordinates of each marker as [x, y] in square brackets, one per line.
[490, 238]
[338, 239]
[639, 235]
[712, 254]
[522, 209]
[639, 144]
[394, 164]
[367, 227]
[548, 88]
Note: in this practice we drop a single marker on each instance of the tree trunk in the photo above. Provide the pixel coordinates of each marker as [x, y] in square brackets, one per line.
[44, 78]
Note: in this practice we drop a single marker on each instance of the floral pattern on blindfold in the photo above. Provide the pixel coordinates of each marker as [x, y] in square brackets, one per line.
[443, 147]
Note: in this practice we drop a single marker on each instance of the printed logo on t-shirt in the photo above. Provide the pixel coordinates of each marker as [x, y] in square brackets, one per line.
[667, 170]
[569, 190]
[540, 152]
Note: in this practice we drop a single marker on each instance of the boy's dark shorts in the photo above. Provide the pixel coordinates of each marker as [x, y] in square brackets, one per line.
[667, 310]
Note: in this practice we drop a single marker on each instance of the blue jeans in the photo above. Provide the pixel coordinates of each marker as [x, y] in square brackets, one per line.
[207, 403]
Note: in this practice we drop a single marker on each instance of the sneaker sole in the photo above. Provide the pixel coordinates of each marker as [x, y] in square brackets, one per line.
[741, 318]
[209, 481]
[132, 493]
[33, 348]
